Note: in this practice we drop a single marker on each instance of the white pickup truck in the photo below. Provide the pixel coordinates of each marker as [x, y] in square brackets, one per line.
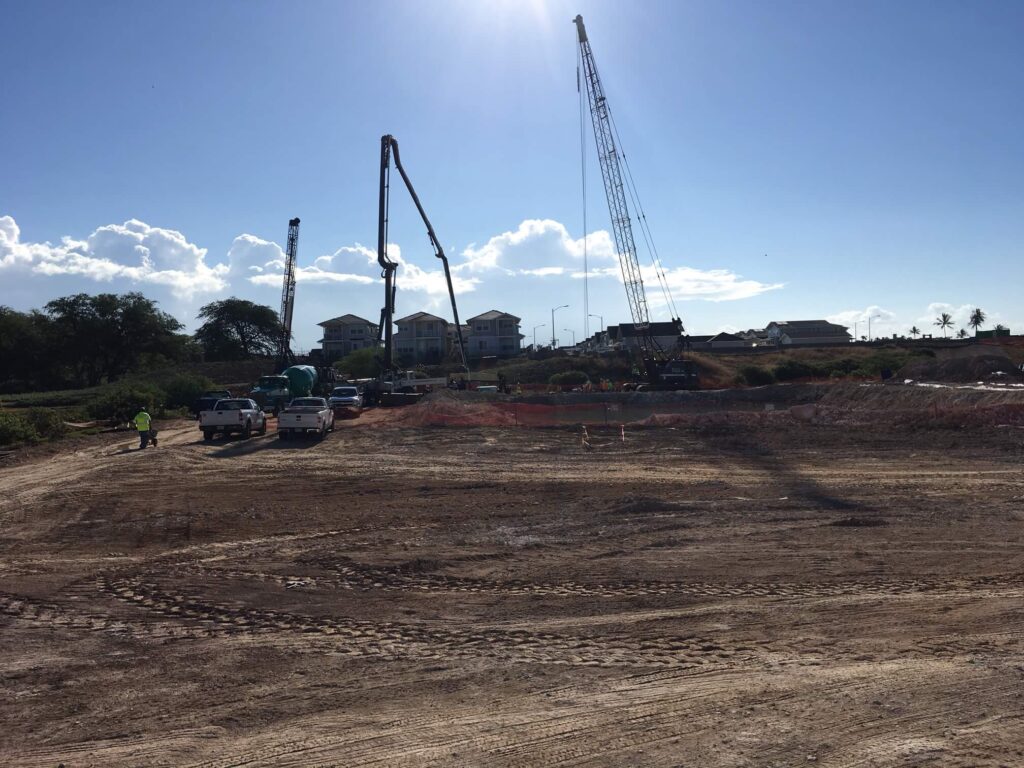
[239, 415]
[305, 414]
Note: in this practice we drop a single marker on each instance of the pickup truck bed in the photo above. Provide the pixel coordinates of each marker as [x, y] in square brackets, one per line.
[300, 419]
[233, 415]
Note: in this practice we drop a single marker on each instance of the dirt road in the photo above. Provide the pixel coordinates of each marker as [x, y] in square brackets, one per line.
[701, 596]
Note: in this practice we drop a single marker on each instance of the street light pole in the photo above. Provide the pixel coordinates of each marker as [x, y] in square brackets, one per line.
[535, 335]
[870, 318]
[569, 330]
[553, 310]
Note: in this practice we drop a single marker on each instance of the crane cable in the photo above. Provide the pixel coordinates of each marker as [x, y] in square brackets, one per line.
[645, 229]
[583, 171]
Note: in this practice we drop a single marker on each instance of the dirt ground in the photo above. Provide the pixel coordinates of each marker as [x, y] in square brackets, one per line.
[775, 594]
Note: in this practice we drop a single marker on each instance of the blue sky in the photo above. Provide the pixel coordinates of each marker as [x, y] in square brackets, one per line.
[796, 159]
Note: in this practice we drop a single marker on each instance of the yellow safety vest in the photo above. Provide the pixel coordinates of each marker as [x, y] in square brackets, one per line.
[142, 421]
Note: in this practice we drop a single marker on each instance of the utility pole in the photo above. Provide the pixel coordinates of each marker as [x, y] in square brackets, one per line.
[553, 310]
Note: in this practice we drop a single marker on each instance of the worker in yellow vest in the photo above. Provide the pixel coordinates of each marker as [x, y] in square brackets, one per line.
[143, 422]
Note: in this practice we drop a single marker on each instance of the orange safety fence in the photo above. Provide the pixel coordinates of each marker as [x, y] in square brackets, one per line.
[453, 413]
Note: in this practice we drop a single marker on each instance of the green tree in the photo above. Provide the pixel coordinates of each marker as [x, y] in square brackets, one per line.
[25, 341]
[977, 319]
[105, 336]
[944, 321]
[961, 334]
[237, 329]
[360, 364]
[915, 331]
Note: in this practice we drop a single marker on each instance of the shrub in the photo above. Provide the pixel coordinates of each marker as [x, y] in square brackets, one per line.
[360, 364]
[16, 429]
[121, 402]
[184, 389]
[791, 369]
[568, 378]
[47, 423]
[756, 376]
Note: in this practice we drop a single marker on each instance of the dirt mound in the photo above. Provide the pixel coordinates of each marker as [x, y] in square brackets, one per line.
[439, 410]
[962, 369]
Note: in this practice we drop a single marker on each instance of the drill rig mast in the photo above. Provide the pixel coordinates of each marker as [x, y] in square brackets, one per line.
[389, 148]
[285, 357]
[660, 369]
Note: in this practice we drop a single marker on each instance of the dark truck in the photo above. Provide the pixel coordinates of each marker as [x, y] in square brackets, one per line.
[208, 400]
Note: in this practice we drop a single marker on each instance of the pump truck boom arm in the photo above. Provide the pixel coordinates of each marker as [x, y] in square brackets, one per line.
[389, 148]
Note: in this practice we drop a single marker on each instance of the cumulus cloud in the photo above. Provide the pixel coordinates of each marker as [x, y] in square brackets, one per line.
[708, 284]
[543, 248]
[960, 314]
[355, 264]
[535, 245]
[883, 321]
[133, 251]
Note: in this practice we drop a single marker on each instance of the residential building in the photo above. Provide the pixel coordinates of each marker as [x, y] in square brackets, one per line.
[726, 340]
[666, 335]
[493, 333]
[421, 338]
[346, 334]
[808, 332]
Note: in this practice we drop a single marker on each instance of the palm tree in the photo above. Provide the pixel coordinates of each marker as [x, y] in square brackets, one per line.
[977, 320]
[961, 334]
[915, 331]
[944, 321]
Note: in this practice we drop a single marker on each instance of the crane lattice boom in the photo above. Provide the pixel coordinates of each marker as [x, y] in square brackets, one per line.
[618, 208]
[284, 351]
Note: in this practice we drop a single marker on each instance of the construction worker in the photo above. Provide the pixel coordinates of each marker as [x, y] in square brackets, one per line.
[142, 423]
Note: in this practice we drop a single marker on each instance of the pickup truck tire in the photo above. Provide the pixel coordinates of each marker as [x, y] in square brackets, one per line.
[247, 432]
[207, 434]
[263, 429]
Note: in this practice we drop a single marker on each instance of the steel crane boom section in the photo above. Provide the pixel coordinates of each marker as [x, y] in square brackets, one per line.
[284, 352]
[615, 192]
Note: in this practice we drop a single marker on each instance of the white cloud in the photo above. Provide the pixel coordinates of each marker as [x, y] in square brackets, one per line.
[689, 283]
[883, 321]
[355, 264]
[708, 284]
[544, 271]
[544, 248]
[134, 251]
[535, 244]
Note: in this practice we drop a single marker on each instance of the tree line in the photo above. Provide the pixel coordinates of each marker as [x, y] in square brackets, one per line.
[945, 321]
[87, 340]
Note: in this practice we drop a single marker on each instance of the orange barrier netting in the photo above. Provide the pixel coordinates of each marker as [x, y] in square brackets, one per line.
[450, 413]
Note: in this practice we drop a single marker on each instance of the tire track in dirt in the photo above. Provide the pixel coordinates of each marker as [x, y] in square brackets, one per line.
[351, 575]
[391, 640]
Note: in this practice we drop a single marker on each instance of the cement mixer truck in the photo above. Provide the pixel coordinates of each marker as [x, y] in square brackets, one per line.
[273, 393]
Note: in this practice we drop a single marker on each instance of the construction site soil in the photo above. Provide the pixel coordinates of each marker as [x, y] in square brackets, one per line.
[778, 578]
